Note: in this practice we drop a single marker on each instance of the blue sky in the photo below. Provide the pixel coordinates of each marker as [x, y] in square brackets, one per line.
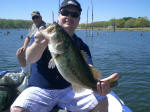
[104, 10]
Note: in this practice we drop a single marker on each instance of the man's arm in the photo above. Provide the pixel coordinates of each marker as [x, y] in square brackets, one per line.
[23, 48]
[35, 51]
[26, 42]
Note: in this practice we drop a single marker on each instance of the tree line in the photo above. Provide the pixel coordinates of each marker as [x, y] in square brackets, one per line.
[9, 23]
[125, 22]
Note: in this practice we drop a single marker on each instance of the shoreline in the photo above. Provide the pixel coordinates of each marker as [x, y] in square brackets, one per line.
[117, 29]
[98, 28]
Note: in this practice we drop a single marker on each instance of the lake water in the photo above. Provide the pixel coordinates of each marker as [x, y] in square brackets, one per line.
[125, 52]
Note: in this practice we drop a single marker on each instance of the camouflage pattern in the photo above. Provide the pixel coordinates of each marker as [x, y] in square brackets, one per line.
[12, 83]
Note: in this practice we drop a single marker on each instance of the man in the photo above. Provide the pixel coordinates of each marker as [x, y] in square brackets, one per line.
[37, 23]
[47, 87]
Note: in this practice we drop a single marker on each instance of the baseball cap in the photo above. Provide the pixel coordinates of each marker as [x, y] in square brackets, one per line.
[74, 3]
[35, 13]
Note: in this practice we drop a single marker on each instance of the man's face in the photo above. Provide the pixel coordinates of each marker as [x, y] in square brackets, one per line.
[37, 20]
[69, 18]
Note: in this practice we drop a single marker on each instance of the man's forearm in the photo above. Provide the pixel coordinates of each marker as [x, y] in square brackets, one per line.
[26, 42]
[35, 51]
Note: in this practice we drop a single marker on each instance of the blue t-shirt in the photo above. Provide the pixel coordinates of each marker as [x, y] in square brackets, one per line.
[43, 77]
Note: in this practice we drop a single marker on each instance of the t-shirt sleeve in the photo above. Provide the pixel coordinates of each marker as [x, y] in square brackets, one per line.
[89, 57]
[85, 48]
[29, 35]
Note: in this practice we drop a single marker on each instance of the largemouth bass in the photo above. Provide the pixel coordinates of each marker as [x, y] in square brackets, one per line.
[69, 60]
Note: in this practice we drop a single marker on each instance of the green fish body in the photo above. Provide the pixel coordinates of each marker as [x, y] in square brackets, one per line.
[69, 60]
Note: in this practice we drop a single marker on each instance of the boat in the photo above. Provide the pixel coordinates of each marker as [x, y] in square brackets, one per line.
[12, 83]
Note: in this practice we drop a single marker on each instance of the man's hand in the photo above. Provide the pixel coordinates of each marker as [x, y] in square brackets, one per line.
[103, 86]
[21, 56]
[40, 39]
[20, 50]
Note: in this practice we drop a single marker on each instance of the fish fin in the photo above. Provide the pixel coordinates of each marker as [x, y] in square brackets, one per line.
[55, 51]
[96, 73]
[84, 54]
[51, 63]
[59, 43]
[114, 81]
[77, 89]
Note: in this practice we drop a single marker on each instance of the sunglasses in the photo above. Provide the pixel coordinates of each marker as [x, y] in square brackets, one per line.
[67, 13]
[35, 17]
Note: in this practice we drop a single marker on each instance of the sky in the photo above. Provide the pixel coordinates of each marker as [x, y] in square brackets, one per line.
[104, 10]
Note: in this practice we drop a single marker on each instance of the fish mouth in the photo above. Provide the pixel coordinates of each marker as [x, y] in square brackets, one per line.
[51, 29]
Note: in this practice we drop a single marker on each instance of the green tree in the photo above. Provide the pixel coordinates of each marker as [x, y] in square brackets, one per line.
[127, 18]
[112, 22]
[120, 23]
[100, 24]
[142, 22]
[8, 23]
[130, 23]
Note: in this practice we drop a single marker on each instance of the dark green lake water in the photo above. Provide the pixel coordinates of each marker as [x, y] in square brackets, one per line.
[125, 52]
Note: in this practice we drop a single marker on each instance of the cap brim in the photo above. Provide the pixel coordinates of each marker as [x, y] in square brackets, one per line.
[71, 5]
[35, 15]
